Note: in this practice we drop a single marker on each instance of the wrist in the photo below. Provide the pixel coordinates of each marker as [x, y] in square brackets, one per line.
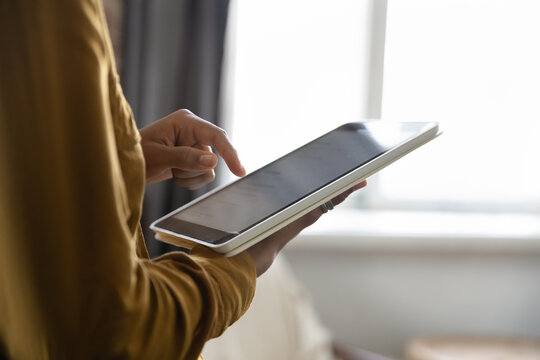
[263, 255]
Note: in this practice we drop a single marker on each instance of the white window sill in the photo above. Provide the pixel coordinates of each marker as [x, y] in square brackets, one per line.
[347, 229]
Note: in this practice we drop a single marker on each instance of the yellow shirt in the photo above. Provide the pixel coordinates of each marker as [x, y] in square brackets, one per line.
[75, 278]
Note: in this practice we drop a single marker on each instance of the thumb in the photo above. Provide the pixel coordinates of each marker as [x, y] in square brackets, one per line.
[190, 158]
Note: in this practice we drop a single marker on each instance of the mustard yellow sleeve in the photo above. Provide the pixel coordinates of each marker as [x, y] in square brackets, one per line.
[71, 184]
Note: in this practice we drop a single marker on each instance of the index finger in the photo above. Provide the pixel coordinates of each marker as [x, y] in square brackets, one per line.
[217, 138]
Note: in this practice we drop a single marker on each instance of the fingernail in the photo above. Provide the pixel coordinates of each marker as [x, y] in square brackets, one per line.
[207, 160]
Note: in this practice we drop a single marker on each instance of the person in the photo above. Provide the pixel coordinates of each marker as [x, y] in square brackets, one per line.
[76, 281]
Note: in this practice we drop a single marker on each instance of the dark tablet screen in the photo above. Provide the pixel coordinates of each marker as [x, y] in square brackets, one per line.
[276, 186]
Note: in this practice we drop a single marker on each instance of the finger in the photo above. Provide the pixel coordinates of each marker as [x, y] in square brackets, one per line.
[188, 174]
[195, 182]
[311, 217]
[208, 134]
[202, 147]
[341, 197]
[359, 185]
[189, 158]
[293, 229]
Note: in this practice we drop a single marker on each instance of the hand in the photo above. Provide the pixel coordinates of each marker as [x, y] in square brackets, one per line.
[264, 252]
[179, 146]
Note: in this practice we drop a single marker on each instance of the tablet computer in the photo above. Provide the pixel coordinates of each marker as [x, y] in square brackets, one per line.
[236, 216]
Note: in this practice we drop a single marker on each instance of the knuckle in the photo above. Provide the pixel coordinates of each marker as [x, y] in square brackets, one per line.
[222, 132]
[184, 112]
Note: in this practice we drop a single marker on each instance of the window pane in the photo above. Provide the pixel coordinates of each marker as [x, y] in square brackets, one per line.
[298, 70]
[473, 65]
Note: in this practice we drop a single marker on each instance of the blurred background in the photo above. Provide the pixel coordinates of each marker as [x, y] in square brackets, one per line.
[446, 242]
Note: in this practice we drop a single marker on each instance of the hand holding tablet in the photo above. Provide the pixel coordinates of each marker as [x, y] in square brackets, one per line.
[264, 252]
[236, 216]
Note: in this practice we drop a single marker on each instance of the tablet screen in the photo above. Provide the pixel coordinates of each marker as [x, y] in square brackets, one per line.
[274, 187]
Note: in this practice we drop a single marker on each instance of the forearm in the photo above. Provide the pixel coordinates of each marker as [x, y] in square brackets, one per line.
[179, 302]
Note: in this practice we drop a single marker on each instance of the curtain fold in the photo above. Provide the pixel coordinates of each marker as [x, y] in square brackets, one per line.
[172, 56]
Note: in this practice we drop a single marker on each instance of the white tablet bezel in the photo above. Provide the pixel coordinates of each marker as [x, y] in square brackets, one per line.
[265, 228]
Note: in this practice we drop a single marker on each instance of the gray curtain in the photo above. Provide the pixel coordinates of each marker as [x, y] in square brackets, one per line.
[171, 58]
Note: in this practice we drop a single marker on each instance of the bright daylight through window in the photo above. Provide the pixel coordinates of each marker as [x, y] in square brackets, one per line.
[298, 68]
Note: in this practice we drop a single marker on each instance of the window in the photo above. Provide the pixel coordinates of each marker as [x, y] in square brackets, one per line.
[301, 67]
[297, 69]
[473, 65]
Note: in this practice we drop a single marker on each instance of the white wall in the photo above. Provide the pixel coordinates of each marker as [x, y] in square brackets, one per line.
[380, 300]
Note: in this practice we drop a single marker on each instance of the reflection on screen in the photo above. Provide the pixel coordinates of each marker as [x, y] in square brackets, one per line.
[292, 177]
